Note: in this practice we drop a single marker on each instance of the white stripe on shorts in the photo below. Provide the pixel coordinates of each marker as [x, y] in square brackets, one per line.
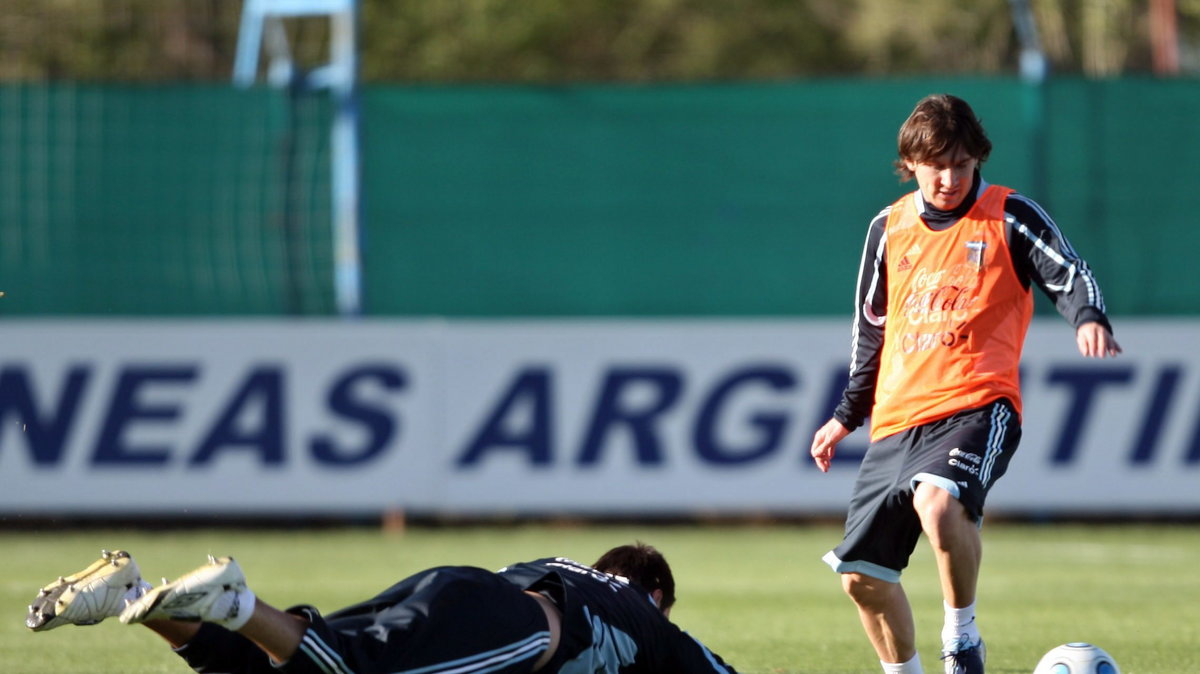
[995, 446]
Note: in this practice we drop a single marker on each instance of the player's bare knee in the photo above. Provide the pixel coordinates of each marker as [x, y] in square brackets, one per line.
[936, 507]
[866, 590]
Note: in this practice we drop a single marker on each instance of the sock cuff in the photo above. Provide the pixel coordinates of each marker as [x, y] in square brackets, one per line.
[240, 610]
[959, 616]
[913, 666]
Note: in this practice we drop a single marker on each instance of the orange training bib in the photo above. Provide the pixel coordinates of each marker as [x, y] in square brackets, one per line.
[957, 317]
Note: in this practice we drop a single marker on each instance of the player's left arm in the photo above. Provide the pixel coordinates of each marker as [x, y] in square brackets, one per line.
[690, 655]
[1043, 255]
[1096, 341]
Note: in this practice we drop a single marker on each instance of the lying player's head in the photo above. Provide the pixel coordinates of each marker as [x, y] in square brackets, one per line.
[940, 124]
[644, 565]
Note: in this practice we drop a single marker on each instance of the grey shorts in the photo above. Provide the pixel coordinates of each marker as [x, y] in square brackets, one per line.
[964, 454]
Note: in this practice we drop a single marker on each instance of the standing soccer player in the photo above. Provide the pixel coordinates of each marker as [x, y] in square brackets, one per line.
[942, 308]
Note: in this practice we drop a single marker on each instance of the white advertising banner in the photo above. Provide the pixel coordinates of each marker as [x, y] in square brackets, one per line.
[654, 417]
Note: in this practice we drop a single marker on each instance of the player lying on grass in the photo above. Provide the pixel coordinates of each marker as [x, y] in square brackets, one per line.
[550, 615]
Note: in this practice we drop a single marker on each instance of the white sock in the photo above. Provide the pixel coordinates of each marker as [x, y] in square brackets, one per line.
[135, 593]
[959, 621]
[913, 666]
[232, 610]
[131, 595]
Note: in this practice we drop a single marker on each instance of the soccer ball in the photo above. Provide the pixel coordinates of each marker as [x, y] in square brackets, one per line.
[1077, 658]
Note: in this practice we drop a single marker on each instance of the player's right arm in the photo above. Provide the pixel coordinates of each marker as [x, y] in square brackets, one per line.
[870, 314]
[825, 442]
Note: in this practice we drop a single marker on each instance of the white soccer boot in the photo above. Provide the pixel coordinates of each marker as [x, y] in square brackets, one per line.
[86, 597]
[215, 592]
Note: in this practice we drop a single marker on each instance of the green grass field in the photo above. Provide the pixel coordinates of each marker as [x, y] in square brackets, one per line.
[758, 595]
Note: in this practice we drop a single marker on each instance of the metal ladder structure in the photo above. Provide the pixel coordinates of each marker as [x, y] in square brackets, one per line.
[262, 30]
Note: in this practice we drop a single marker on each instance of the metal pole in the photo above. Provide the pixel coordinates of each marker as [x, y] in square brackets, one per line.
[346, 169]
[1034, 72]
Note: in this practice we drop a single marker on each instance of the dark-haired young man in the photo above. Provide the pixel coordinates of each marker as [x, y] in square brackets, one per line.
[942, 307]
[548, 615]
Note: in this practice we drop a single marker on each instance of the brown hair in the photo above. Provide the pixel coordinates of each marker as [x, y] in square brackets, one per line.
[939, 124]
[641, 564]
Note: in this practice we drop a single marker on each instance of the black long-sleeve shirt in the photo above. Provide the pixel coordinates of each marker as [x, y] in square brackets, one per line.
[1040, 254]
[610, 625]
